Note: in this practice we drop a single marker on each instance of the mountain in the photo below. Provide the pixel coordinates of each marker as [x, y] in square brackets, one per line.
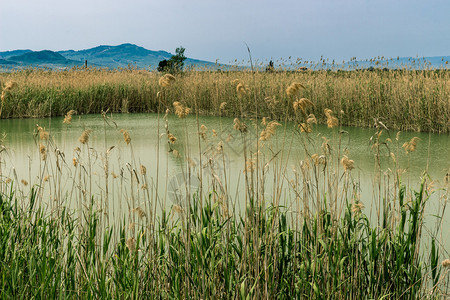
[102, 56]
[7, 54]
[126, 55]
[45, 58]
[118, 56]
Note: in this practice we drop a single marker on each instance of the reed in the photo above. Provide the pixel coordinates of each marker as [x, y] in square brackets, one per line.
[308, 235]
[414, 100]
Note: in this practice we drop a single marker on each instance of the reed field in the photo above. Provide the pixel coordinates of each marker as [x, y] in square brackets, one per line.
[302, 233]
[413, 100]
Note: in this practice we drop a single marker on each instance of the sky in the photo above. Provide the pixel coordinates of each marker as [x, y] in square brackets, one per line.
[211, 30]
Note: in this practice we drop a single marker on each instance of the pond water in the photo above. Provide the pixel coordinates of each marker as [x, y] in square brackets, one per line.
[22, 160]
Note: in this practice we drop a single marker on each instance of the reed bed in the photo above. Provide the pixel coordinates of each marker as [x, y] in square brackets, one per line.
[414, 100]
[307, 235]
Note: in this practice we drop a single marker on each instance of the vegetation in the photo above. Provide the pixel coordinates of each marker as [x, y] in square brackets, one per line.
[403, 99]
[175, 64]
[304, 236]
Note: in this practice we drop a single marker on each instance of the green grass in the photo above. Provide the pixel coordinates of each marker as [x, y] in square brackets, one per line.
[261, 254]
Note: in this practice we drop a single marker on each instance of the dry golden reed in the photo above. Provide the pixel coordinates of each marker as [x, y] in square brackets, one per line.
[172, 139]
[250, 166]
[347, 163]
[202, 132]
[357, 207]
[131, 244]
[141, 213]
[293, 89]
[68, 116]
[43, 135]
[319, 160]
[6, 89]
[143, 170]
[311, 119]
[167, 80]
[10, 85]
[446, 263]
[180, 110]
[332, 121]
[240, 126]
[305, 127]
[126, 136]
[74, 162]
[223, 105]
[269, 131]
[24, 182]
[43, 151]
[302, 104]
[84, 138]
[241, 90]
[411, 145]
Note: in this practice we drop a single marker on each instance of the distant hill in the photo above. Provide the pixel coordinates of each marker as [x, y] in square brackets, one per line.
[7, 54]
[102, 56]
[125, 55]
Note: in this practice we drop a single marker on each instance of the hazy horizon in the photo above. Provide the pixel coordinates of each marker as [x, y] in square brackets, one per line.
[211, 30]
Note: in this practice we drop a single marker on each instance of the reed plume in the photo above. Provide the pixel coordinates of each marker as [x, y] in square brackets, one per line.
[202, 132]
[293, 89]
[311, 119]
[347, 163]
[131, 244]
[446, 263]
[180, 110]
[43, 135]
[241, 90]
[126, 136]
[43, 151]
[240, 126]
[167, 80]
[332, 121]
[84, 138]
[68, 116]
[269, 131]
[172, 139]
[411, 145]
[143, 170]
[141, 213]
[305, 127]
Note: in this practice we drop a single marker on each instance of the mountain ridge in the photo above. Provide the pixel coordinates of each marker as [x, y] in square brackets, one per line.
[127, 54]
[120, 56]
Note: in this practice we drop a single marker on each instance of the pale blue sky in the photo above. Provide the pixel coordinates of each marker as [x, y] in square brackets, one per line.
[211, 30]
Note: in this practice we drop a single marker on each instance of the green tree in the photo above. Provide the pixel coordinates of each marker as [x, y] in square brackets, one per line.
[175, 64]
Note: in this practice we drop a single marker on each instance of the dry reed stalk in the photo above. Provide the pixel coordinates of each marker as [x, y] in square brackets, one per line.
[331, 120]
[84, 138]
[126, 136]
[411, 145]
[167, 80]
[294, 88]
[180, 110]
[68, 116]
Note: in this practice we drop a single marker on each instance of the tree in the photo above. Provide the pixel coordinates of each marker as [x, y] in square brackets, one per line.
[270, 67]
[175, 64]
[163, 65]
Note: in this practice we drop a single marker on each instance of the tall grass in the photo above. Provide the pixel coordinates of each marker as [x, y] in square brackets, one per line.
[415, 100]
[305, 235]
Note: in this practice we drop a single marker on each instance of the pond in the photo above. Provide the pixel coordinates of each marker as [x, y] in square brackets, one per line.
[166, 166]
